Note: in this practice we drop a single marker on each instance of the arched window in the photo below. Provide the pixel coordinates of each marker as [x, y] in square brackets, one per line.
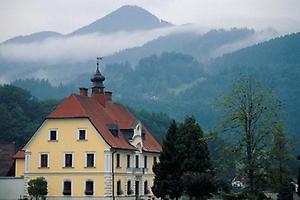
[129, 190]
[146, 188]
[119, 188]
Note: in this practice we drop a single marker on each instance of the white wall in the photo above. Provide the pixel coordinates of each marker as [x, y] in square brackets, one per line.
[11, 188]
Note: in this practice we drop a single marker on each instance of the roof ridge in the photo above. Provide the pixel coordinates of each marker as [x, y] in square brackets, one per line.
[81, 107]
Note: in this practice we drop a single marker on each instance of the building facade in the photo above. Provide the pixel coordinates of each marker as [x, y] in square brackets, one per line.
[91, 147]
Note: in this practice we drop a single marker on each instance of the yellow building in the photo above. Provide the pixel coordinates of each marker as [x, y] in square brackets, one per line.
[91, 147]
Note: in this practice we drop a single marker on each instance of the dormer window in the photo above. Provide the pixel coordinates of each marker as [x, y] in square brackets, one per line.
[52, 135]
[82, 134]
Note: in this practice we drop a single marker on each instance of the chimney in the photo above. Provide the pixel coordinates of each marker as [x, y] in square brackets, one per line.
[108, 95]
[83, 92]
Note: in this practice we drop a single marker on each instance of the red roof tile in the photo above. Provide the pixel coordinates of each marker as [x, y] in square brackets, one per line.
[101, 116]
[19, 155]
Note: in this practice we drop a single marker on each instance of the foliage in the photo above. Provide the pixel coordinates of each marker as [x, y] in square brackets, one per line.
[286, 191]
[184, 163]
[37, 188]
[279, 157]
[20, 114]
[168, 172]
[199, 185]
[250, 111]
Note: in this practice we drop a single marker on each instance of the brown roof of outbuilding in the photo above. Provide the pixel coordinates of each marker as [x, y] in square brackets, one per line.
[19, 155]
[6, 158]
[101, 115]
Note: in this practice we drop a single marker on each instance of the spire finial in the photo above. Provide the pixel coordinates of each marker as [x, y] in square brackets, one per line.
[98, 60]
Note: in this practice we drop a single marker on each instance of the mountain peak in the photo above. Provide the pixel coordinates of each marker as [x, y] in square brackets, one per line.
[125, 18]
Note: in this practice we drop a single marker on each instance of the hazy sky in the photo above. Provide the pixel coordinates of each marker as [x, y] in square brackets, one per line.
[19, 17]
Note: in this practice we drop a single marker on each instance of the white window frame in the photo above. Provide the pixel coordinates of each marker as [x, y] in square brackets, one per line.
[90, 152]
[49, 134]
[78, 134]
[40, 158]
[64, 158]
[94, 186]
[70, 180]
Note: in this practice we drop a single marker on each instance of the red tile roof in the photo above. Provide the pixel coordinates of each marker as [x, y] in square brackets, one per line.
[19, 155]
[101, 114]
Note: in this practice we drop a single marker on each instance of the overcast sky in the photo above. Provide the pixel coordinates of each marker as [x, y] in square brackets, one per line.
[20, 17]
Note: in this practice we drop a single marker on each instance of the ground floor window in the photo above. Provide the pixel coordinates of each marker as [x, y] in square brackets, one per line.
[119, 188]
[67, 188]
[146, 188]
[129, 190]
[89, 187]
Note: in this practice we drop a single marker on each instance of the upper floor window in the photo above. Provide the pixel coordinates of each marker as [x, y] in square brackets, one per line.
[89, 187]
[145, 162]
[90, 159]
[44, 160]
[68, 160]
[67, 188]
[128, 161]
[52, 135]
[82, 135]
[119, 188]
[118, 160]
[137, 161]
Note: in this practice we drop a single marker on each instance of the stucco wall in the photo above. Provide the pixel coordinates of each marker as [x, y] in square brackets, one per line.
[11, 187]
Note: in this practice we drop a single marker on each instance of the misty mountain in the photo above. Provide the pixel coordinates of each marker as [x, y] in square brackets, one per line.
[126, 18]
[179, 85]
[201, 46]
[35, 37]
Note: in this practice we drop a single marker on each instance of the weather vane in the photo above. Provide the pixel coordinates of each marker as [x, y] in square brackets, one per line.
[98, 59]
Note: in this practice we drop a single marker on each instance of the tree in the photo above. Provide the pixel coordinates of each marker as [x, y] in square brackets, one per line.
[280, 155]
[167, 172]
[37, 188]
[197, 179]
[250, 111]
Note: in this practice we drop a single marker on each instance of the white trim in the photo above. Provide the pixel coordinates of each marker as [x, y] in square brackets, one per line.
[90, 152]
[64, 158]
[63, 183]
[40, 157]
[86, 134]
[49, 134]
[94, 184]
[33, 136]
[27, 162]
